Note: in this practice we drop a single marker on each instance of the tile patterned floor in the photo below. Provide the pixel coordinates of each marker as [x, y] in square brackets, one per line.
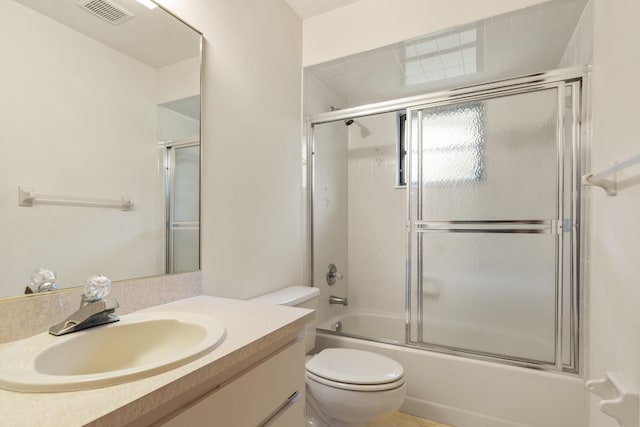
[399, 419]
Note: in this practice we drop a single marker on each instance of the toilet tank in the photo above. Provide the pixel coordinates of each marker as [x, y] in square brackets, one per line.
[296, 296]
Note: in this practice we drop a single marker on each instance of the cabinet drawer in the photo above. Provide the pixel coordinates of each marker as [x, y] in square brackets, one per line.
[252, 398]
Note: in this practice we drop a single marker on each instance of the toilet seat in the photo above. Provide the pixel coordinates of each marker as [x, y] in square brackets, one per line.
[355, 387]
[350, 369]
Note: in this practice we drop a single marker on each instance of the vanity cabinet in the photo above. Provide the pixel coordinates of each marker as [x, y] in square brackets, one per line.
[254, 377]
[270, 393]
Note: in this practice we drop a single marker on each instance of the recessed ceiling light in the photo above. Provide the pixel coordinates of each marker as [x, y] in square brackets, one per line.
[147, 3]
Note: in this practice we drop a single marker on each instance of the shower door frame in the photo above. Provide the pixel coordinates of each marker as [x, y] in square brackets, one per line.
[577, 78]
[564, 222]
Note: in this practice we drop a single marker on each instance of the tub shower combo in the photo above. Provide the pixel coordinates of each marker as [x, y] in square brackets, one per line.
[454, 222]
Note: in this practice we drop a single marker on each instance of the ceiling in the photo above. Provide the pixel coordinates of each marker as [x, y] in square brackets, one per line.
[153, 36]
[517, 43]
[310, 8]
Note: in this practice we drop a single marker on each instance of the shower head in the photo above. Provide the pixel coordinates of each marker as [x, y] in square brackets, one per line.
[347, 122]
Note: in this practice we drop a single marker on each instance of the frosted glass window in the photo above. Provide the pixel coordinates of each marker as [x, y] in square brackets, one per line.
[453, 144]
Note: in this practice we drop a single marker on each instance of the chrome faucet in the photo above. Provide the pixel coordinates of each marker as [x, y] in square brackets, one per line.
[94, 309]
[338, 300]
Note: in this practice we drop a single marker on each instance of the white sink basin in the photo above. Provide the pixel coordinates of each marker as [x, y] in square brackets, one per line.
[139, 345]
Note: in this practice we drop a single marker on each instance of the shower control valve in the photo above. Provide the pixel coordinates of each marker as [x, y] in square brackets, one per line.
[333, 274]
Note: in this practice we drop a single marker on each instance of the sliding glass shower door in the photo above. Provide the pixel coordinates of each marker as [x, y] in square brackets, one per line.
[492, 225]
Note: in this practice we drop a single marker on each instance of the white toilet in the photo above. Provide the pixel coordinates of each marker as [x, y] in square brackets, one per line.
[345, 387]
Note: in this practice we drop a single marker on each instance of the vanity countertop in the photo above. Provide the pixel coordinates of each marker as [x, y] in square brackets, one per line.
[251, 329]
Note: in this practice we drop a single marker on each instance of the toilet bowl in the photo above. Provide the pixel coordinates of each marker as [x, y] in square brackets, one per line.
[352, 386]
[345, 387]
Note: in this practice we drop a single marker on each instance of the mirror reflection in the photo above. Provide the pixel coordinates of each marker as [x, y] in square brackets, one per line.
[101, 140]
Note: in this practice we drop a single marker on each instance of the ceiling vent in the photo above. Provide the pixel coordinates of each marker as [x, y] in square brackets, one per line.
[107, 10]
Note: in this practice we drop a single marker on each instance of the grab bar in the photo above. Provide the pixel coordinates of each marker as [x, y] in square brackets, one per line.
[26, 197]
[610, 186]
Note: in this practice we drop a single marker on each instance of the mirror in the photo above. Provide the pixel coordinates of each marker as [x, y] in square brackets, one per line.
[101, 141]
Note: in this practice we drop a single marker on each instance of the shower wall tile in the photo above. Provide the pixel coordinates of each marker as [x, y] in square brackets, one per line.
[23, 317]
[377, 215]
[330, 206]
[579, 51]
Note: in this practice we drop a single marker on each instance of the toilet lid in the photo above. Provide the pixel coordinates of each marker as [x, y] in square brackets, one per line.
[354, 366]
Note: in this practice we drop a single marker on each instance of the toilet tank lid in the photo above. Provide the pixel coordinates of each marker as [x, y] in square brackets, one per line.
[291, 296]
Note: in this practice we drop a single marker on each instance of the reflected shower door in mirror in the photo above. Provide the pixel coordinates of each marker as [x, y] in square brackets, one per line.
[86, 97]
[182, 200]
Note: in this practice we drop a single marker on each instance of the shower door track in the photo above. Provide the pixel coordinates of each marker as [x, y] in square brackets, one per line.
[526, 83]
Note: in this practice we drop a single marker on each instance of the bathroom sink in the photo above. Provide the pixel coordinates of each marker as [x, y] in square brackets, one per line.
[139, 345]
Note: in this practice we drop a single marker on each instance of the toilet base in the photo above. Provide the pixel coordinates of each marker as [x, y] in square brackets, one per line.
[357, 415]
[316, 419]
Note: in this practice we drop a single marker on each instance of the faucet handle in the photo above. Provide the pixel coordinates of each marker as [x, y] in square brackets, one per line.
[333, 274]
[43, 280]
[96, 287]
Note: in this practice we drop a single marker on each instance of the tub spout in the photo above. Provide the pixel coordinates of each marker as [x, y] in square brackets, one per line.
[338, 300]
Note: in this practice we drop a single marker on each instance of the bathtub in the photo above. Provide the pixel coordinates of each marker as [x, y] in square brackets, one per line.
[386, 328]
[461, 391]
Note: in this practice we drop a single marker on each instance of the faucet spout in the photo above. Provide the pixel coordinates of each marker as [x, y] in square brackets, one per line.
[338, 300]
[90, 314]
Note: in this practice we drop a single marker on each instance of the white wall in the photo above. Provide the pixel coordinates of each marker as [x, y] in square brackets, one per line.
[369, 24]
[613, 259]
[49, 142]
[176, 126]
[251, 144]
[178, 83]
[179, 80]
